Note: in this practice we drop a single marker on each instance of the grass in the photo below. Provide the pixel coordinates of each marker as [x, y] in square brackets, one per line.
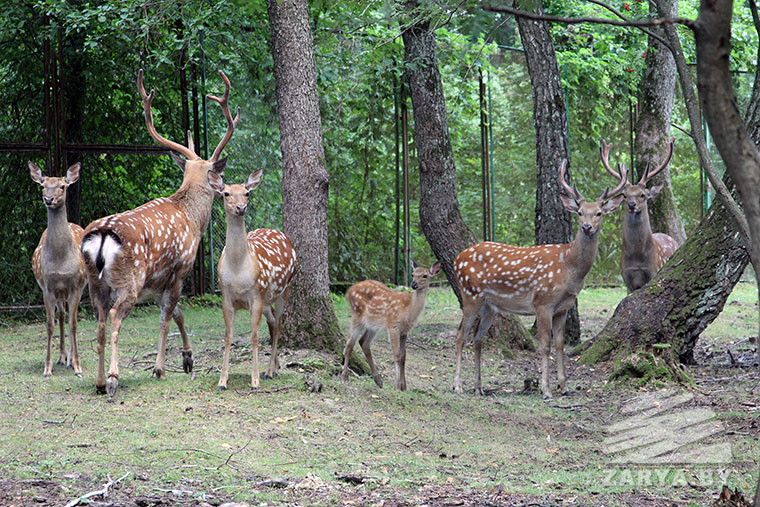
[183, 441]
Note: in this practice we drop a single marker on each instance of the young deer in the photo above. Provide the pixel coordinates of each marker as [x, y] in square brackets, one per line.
[58, 267]
[374, 307]
[148, 251]
[541, 280]
[255, 272]
[644, 253]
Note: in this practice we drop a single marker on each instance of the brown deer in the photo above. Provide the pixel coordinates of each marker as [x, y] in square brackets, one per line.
[541, 280]
[255, 271]
[644, 253]
[374, 306]
[148, 251]
[58, 267]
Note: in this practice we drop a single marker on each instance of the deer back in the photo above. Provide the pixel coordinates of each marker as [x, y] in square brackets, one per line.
[276, 259]
[376, 305]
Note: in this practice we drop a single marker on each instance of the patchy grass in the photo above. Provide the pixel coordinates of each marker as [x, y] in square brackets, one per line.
[182, 441]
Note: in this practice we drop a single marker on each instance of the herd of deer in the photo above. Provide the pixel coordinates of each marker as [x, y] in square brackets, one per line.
[148, 251]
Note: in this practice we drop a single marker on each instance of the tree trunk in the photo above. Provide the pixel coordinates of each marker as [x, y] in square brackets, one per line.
[309, 319]
[440, 217]
[553, 223]
[656, 94]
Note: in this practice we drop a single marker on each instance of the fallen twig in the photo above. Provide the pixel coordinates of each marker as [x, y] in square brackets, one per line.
[100, 492]
[264, 391]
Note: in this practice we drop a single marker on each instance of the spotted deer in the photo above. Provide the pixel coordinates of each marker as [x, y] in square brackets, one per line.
[541, 280]
[644, 253]
[255, 271]
[148, 251]
[375, 307]
[58, 267]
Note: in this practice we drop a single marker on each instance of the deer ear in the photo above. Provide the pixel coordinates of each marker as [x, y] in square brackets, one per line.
[72, 175]
[655, 190]
[414, 264]
[179, 160]
[216, 182]
[253, 180]
[219, 166]
[435, 268]
[569, 203]
[36, 173]
[613, 203]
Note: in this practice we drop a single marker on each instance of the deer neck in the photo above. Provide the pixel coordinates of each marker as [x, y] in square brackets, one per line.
[236, 244]
[59, 236]
[196, 201]
[637, 230]
[416, 305]
[582, 254]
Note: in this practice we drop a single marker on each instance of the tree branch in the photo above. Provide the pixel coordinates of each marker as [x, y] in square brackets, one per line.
[650, 33]
[586, 19]
[99, 492]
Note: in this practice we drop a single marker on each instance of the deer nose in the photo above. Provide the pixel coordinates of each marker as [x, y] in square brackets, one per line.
[414, 284]
[586, 228]
[631, 205]
[48, 200]
[240, 209]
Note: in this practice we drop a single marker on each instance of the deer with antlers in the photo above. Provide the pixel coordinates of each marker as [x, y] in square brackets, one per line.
[375, 307]
[58, 267]
[148, 251]
[644, 252]
[255, 271]
[541, 280]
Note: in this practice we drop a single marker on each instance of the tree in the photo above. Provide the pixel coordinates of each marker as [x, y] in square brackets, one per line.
[655, 100]
[440, 217]
[309, 317]
[552, 222]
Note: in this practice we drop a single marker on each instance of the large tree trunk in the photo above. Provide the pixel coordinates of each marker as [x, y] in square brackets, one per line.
[440, 217]
[553, 223]
[309, 319]
[656, 93]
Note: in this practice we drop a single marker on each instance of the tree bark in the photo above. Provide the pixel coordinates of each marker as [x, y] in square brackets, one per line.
[440, 218]
[309, 319]
[552, 223]
[656, 94]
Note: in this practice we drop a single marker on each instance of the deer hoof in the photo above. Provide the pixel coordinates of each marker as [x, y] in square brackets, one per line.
[457, 389]
[78, 374]
[268, 376]
[111, 384]
[221, 388]
[100, 389]
[158, 372]
[47, 374]
[547, 397]
[568, 394]
[187, 361]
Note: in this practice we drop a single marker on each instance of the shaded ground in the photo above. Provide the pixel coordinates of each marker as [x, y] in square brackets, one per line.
[184, 443]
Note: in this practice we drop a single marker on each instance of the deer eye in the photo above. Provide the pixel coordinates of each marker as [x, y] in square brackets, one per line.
[580, 213]
[642, 196]
[598, 213]
[226, 194]
[247, 194]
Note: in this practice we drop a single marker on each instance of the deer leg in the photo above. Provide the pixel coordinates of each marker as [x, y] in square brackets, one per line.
[73, 356]
[62, 359]
[558, 334]
[465, 327]
[50, 311]
[256, 310]
[353, 335]
[187, 349]
[366, 342]
[168, 304]
[401, 363]
[100, 382]
[229, 325]
[544, 323]
[118, 313]
[273, 315]
[484, 323]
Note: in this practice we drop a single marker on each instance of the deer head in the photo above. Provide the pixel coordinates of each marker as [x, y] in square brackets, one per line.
[54, 189]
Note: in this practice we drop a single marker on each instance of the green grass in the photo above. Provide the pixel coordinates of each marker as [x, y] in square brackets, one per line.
[181, 434]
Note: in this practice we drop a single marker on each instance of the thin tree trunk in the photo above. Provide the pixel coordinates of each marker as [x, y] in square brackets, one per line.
[656, 93]
[440, 217]
[309, 319]
[553, 223]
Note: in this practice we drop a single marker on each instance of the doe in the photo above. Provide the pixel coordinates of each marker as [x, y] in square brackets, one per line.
[255, 271]
[541, 280]
[374, 306]
[57, 265]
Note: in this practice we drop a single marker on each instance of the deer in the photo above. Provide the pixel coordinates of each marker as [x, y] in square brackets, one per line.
[644, 252]
[147, 251]
[58, 267]
[255, 271]
[542, 280]
[374, 306]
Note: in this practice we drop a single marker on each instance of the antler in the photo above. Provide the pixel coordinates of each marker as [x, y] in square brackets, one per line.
[623, 177]
[570, 191]
[648, 175]
[231, 124]
[147, 99]
[604, 154]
